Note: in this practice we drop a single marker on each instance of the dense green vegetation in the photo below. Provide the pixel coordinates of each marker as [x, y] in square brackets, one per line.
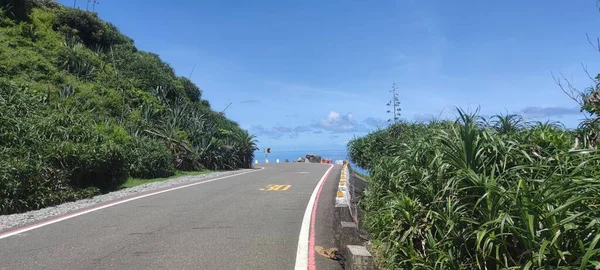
[477, 194]
[82, 109]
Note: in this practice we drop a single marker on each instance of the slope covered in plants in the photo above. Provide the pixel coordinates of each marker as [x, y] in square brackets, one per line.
[82, 109]
[477, 194]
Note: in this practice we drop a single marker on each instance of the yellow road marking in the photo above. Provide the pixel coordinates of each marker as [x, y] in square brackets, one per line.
[276, 188]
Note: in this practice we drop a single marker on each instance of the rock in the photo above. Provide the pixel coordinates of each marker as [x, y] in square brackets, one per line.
[286, 160]
[300, 159]
[313, 158]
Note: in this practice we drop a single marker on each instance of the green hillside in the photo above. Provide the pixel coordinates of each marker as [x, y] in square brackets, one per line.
[82, 109]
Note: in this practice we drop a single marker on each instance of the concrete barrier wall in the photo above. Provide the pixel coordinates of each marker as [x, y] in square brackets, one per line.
[348, 236]
[345, 194]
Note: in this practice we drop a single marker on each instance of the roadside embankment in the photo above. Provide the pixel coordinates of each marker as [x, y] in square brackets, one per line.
[351, 240]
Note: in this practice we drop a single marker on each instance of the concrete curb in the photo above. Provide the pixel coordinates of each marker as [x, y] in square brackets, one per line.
[348, 239]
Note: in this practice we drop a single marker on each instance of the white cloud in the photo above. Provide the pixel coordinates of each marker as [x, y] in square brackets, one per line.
[338, 123]
[375, 122]
[534, 111]
[250, 101]
[334, 123]
[274, 132]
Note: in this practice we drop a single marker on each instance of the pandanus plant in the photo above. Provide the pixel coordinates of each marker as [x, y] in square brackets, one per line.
[470, 198]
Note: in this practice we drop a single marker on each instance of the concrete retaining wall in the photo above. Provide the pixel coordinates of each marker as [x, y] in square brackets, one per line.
[349, 239]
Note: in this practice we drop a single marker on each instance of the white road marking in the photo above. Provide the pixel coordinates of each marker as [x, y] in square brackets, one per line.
[302, 251]
[72, 215]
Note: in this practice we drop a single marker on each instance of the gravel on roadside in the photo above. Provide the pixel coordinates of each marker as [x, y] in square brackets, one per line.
[15, 220]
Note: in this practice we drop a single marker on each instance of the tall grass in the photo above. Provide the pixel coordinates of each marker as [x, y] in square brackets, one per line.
[473, 195]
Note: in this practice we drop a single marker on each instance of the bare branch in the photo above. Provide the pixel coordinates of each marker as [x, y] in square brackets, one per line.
[569, 90]
[587, 73]
[223, 111]
[595, 46]
[190, 77]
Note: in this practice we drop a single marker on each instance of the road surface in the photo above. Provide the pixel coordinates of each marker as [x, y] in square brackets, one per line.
[250, 221]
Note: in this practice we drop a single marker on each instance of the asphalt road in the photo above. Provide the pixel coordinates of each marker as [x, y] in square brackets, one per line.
[231, 223]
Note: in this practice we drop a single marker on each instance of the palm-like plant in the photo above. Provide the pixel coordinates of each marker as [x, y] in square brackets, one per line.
[472, 198]
[508, 123]
[246, 147]
[176, 139]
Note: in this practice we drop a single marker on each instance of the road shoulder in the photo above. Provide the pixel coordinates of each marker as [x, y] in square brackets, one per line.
[15, 221]
[324, 224]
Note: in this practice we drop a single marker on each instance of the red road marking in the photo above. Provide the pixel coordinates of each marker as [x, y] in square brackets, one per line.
[311, 240]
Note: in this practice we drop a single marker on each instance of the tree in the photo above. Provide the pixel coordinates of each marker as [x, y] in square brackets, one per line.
[395, 104]
[588, 131]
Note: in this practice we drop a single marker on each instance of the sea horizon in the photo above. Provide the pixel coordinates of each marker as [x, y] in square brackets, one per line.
[293, 155]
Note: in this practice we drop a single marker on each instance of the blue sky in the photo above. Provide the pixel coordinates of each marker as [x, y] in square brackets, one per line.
[310, 75]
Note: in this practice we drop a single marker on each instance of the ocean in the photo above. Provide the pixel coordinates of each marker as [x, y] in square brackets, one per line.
[293, 155]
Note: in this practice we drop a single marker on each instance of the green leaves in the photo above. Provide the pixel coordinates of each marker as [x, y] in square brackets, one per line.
[468, 195]
[89, 28]
[81, 109]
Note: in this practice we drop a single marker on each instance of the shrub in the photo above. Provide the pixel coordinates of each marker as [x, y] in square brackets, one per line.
[465, 196]
[45, 4]
[26, 184]
[149, 72]
[205, 103]
[59, 153]
[77, 61]
[88, 27]
[149, 158]
[191, 90]
[102, 166]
